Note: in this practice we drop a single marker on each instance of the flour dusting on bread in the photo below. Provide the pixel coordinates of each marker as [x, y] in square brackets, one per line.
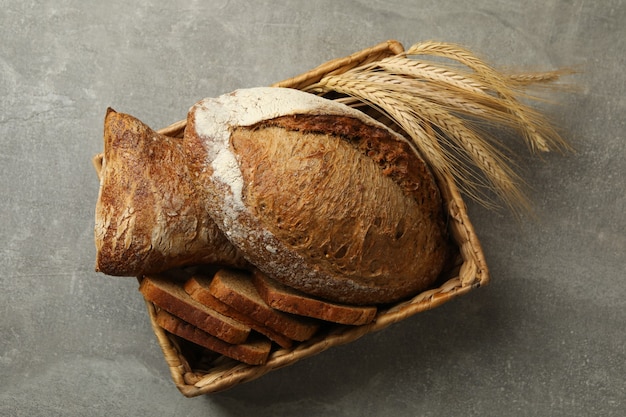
[216, 118]
[279, 167]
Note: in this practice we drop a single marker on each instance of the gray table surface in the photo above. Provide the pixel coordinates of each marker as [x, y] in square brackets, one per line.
[546, 338]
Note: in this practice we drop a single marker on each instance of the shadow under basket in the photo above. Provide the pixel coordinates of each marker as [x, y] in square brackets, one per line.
[196, 372]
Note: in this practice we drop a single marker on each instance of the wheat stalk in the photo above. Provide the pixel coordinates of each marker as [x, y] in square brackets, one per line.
[437, 73]
[524, 79]
[500, 176]
[534, 127]
[457, 100]
[440, 107]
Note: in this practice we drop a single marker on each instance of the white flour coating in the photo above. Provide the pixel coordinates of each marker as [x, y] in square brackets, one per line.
[215, 118]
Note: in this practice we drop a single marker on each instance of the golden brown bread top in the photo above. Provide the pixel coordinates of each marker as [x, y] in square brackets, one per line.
[330, 208]
[394, 157]
[315, 194]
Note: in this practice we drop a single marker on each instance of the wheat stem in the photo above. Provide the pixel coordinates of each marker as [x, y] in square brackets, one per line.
[529, 121]
[403, 110]
[439, 107]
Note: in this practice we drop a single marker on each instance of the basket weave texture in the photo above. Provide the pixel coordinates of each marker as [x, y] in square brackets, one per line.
[468, 273]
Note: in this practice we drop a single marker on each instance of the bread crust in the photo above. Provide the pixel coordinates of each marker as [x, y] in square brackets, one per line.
[318, 195]
[286, 299]
[254, 352]
[235, 288]
[198, 288]
[149, 217]
[169, 295]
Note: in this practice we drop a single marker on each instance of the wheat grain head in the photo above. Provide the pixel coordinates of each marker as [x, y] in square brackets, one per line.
[440, 106]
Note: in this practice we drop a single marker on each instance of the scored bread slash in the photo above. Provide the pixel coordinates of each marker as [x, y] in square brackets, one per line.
[197, 288]
[286, 299]
[170, 296]
[235, 288]
[253, 352]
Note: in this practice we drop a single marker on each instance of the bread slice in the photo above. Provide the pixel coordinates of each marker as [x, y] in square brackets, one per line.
[286, 299]
[235, 288]
[198, 288]
[253, 352]
[169, 295]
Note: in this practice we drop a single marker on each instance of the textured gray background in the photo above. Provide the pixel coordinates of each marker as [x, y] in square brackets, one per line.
[547, 337]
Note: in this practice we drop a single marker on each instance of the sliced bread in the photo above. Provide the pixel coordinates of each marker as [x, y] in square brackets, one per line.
[170, 296]
[235, 288]
[198, 288]
[253, 352]
[289, 300]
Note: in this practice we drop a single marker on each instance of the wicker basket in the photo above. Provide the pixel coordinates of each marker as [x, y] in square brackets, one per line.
[195, 377]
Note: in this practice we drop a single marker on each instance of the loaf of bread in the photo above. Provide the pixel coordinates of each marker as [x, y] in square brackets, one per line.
[288, 300]
[317, 195]
[253, 352]
[149, 217]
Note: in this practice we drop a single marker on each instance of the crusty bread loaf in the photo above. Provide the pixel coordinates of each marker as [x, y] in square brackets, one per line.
[149, 217]
[253, 352]
[169, 295]
[235, 288]
[318, 195]
[286, 299]
[198, 288]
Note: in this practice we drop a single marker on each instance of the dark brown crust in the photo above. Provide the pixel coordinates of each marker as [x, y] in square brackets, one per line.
[149, 217]
[254, 352]
[197, 288]
[170, 296]
[287, 299]
[367, 243]
[236, 290]
[395, 159]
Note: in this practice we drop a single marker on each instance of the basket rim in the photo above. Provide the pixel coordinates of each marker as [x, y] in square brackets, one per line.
[472, 273]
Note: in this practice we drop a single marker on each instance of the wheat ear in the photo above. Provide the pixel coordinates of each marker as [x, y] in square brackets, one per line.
[441, 106]
[439, 149]
[536, 130]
